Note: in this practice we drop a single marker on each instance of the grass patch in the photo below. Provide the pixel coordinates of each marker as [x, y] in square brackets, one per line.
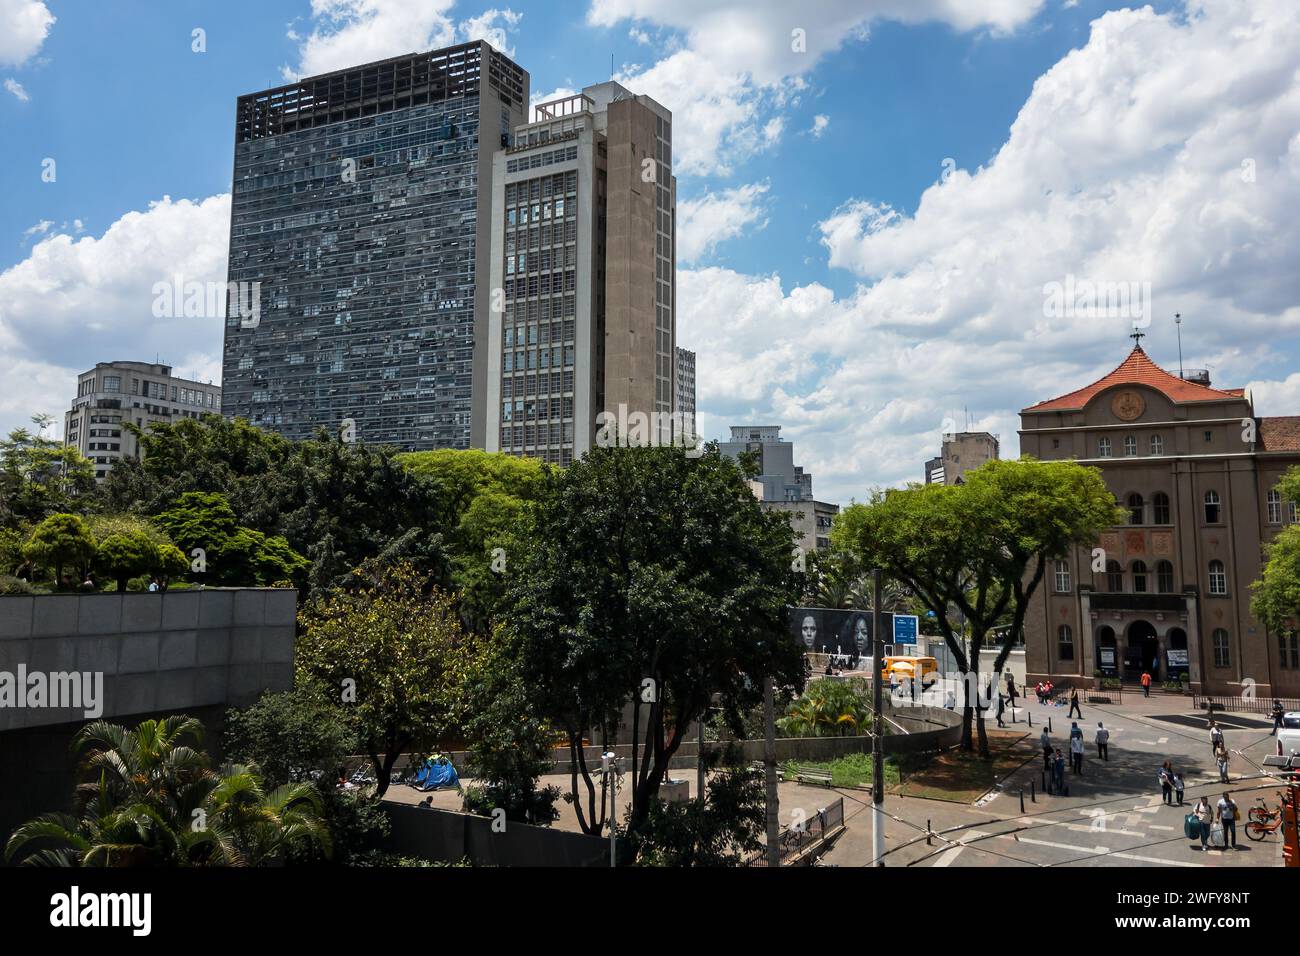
[851, 770]
[964, 777]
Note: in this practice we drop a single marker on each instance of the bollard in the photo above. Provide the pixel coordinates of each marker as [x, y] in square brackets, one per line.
[929, 833]
[1022, 799]
[1049, 723]
[1031, 716]
[1033, 793]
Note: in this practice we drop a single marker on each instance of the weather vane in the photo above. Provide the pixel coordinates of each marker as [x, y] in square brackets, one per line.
[1137, 335]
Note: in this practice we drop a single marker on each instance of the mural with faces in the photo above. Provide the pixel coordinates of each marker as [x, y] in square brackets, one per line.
[839, 631]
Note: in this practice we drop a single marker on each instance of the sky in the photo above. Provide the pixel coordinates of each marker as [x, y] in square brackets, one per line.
[891, 213]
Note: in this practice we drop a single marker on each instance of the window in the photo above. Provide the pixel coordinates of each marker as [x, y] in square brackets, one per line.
[1065, 643]
[1222, 658]
[1218, 578]
[1157, 445]
[1135, 509]
[1274, 507]
[1062, 577]
[1288, 646]
[1209, 435]
[1139, 577]
[1165, 577]
[112, 383]
[1290, 507]
[1160, 508]
[1211, 507]
[1103, 447]
[1114, 577]
[1130, 446]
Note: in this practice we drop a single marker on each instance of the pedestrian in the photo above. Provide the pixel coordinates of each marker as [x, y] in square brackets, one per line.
[1166, 778]
[1205, 818]
[1221, 757]
[1046, 742]
[1038, 691]
[1103, 742]
[1216, 737]
[1011, 690]
[1001, 708]
[1076, 753]
[1074, 703]
[1146, 684]
[1179, 786]
[950, 701]
[1228, 817]
[1278, 714]
[1058, 773]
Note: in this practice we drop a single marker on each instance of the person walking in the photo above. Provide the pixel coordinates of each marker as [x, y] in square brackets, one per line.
[1228, 817]
[1205, 817]
[1221, 758]
[1179, 786]
[1166, 778]
[1278, 714]
[1216, 737]
[1074, 703]
[1001, 708]
[1103, 742]
[1146, 683]
[1076, 752]
[1058, 773]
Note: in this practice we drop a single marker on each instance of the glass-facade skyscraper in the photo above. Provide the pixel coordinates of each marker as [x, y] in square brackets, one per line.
[360, 204]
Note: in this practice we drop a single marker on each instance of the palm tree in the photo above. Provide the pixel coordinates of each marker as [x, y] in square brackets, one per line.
[153, 801]
[827, 708]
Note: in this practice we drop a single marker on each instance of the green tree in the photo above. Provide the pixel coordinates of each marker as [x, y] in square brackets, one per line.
[726, 830]
[829, 708]
[392, 649]
[149, 798]
[232, 555]
[125, 556]
[40, 476]
[655, 578]
[294, 735]
[982, 547]
[61, 541]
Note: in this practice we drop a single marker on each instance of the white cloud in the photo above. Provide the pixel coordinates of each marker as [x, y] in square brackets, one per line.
[1167, 153]
[704, 222]
[741, 60]
[820, 122]
[350, 32]
[74, 302]
[24, 25]
[17, 89]
[494, 26]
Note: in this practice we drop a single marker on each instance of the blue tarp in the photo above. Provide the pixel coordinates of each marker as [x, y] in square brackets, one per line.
[434, 773]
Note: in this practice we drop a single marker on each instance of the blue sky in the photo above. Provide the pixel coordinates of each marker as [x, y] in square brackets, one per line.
[836, 278]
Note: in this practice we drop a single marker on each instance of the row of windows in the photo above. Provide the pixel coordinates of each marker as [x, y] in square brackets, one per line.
[538, 160]
[1156, 446]
[1164, 577]
[1219, 641]
[1160, 513]
[540, 358]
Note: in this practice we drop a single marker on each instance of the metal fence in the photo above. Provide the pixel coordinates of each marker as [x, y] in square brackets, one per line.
[826, 820]
[1252, 705]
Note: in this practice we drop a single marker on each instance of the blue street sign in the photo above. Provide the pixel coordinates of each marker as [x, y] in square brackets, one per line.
[905, 629]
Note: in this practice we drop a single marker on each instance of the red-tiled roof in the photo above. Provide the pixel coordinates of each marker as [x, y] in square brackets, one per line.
[1280, 434]
[1138, 369]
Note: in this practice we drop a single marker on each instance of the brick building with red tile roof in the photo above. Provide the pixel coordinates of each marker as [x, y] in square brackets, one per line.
[1197, 472]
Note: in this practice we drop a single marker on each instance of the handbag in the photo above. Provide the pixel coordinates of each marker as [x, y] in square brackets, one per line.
[1191, 827]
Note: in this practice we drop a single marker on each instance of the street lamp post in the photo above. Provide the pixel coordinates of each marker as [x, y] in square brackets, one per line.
[877, 727]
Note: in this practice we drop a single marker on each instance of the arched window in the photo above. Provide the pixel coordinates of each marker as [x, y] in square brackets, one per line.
[1062, 576]
[1157, 445]
[1139, 577]
[1114, 577]
[1218, 578]
[1274, 507]
[1165, 577]
[1065, 643]
[1211, 507]
[1222, 656]
[1103, 447]
[1130, 446]
[1136, 511]
[1160, 508]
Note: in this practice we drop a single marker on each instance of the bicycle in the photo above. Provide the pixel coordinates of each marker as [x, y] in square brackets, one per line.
[1263, 813]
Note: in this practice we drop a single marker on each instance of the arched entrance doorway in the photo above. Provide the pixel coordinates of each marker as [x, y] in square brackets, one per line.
[1107, 651]
[1142, 652]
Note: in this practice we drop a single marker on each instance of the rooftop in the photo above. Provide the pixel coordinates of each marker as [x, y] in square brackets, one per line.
[1138, 369]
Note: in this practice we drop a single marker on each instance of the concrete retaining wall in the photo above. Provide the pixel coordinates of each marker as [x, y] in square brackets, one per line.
[447, 836]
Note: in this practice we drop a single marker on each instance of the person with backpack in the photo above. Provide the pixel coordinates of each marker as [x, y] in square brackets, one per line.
[1228, 814]
[1103, 742]
[1074, 703]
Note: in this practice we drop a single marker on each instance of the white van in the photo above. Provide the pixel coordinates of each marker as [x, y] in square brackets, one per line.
[1288, 737]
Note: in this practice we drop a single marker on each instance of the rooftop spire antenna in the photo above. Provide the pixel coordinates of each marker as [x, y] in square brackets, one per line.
[1178, 321]
[1137, 335]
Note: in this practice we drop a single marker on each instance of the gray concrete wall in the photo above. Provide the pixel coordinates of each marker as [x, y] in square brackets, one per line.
[444, 835]
[160, 652]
